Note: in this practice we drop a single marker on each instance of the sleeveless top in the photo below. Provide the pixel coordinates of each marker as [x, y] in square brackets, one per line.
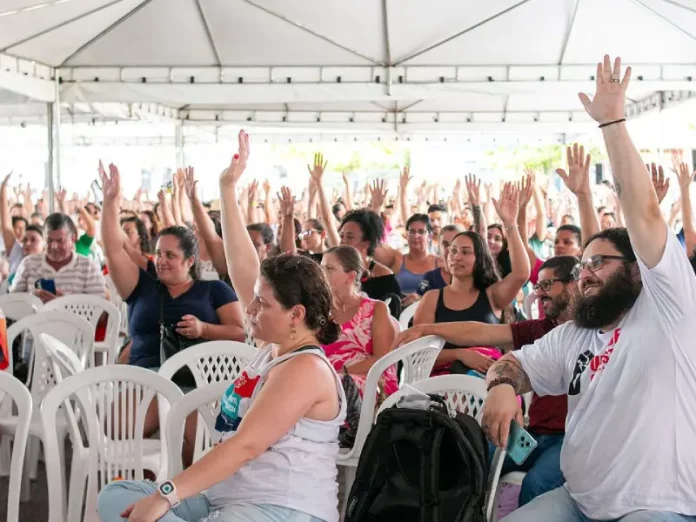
[480, 311]
[299, 470]
[408, 281]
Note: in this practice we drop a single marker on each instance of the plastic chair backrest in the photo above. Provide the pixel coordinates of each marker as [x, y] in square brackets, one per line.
[91, 308]
[530, 311]
[408, 314]
[206, 400]
[462, 393]
[12, 388]
[429, 344]
[113, 400]
[20, 305]
[73, 331]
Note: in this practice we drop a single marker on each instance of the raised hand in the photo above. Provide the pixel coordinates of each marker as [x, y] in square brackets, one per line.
[473, 189]
[378, 194]
[316, 171]
[607, 105]
[287, 202]
[230, 176]
[4, 181]
[577, 179]
[405, 177]
[111, 183]
[681, 169]
[266, 187]
[659, 182]
[507, 205]
[253, 192]
[190, 182]
[526, 188]
[60, 195]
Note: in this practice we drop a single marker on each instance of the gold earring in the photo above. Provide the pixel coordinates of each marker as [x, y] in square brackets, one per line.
[293, 333]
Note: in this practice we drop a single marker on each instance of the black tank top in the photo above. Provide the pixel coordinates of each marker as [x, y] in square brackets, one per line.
[480, 311]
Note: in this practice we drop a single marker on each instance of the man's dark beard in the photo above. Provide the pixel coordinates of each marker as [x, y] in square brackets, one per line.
[615, 297]
[559, 304]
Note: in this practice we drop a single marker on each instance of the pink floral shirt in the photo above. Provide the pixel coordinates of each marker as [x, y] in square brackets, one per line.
[355, 345]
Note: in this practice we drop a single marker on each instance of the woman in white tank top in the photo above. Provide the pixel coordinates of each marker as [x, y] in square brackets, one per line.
[280, 419]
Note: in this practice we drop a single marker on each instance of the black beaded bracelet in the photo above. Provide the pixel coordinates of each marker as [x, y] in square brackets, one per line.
[500, 380]
[612, 123]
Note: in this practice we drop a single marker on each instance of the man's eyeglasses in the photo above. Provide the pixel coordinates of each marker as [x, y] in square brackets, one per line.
[593, 264]
[546, 285]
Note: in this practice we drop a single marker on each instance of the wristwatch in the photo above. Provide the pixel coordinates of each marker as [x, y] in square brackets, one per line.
[168, 490]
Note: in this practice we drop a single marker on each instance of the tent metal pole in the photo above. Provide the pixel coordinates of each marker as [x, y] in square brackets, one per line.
[57, 122]
[179, 144]
[49, 162]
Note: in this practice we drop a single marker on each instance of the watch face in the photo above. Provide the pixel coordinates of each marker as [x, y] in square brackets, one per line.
[167, 488]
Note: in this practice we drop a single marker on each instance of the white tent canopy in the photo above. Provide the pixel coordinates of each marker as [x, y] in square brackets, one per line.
[371, 65]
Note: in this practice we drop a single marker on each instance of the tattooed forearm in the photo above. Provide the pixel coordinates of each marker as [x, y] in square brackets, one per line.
[509, 367]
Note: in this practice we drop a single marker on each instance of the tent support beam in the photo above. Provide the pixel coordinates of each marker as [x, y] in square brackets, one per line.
[105, 31]
[62, 24]
[313, 33]
[56, 126]
[462, 33]
[49, 160]
[680, 5]
[664, 19]
[208, 34]
[570, 30]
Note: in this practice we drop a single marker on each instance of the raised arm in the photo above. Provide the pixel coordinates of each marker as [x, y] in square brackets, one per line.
[525, 196]
[316, 171]
[349, 193]
[242, 260]
[404, 180]
[577, 179]
[205, 225]
[685, 178]
[5, 218]
[504, 292]
[166, 208]
[287, 210]
[90, 227]
[473, 189]
[646, 227]
[123, 271]
[60, 198]
[184, 200]
[378, 195]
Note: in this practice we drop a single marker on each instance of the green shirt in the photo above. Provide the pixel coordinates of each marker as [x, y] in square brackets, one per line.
[84, 245]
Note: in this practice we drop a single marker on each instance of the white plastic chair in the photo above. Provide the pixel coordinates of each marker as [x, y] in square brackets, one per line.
[209, 362]
[418, 358]
[407, 314]
[206, 400]
[48, 370]
[14, 307]
[70, 329]
[91, 307]
[119, 303]
[112, 399]
[12, 388]
[18, 306]
[530, 311]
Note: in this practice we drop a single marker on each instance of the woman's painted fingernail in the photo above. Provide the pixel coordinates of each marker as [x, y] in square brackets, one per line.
[236, 156]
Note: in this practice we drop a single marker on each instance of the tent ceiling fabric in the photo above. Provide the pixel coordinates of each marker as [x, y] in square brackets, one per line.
[486, 61]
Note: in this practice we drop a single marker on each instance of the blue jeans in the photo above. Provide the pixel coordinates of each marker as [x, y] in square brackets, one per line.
[117, 496]
[543, 467]
[558, 506]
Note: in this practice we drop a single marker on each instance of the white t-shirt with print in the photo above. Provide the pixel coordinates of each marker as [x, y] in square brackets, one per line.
[630, 440]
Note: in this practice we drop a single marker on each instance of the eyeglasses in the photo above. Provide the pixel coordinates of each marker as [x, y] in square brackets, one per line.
[417, 232]
[593, 264]
[306, 233]
[546, 285]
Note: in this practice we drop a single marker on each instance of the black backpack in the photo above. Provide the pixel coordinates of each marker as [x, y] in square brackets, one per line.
[421, 466]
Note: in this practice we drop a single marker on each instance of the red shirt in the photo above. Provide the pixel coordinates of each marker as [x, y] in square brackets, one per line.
[547, 415]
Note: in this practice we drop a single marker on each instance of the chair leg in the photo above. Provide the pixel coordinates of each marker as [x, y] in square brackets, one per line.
[25, 491]
[76, 491]
[33, 450]
[5, 456]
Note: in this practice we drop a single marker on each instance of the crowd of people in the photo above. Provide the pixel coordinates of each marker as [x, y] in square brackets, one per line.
[315, 282]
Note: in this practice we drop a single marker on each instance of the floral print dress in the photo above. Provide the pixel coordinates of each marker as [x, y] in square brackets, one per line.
[355, 345]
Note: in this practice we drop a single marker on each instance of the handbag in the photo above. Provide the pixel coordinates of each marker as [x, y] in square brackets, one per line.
[171, 343]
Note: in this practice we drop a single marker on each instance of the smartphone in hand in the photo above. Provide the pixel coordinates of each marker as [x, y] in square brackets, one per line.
[49, 285]
[520, 443]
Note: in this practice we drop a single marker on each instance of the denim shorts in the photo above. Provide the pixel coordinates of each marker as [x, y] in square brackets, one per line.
[117, 496]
